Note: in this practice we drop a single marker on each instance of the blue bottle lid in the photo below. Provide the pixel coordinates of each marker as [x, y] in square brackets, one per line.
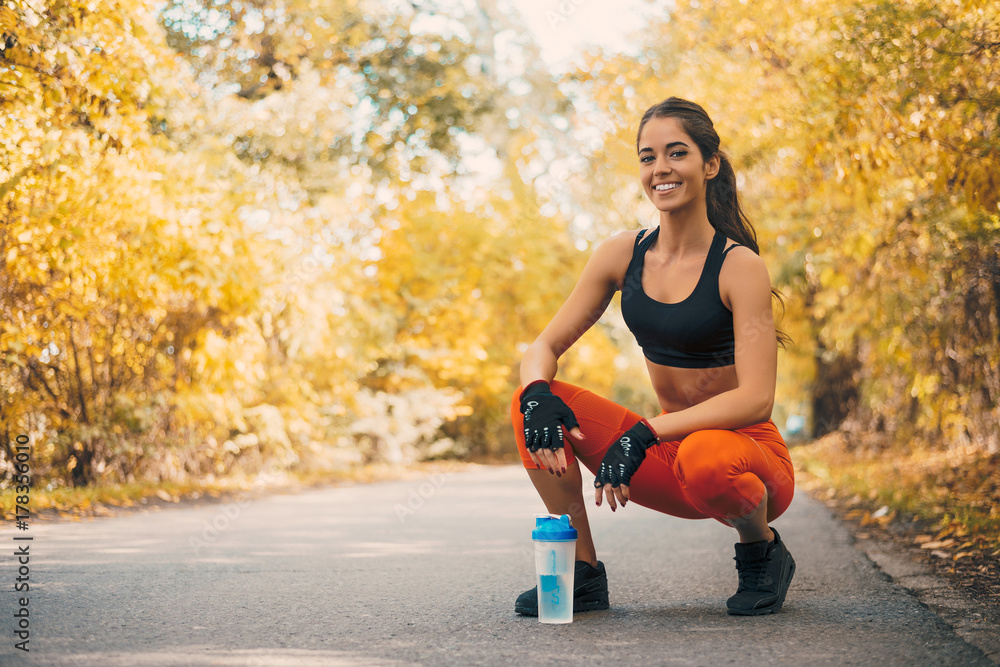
[553, 528]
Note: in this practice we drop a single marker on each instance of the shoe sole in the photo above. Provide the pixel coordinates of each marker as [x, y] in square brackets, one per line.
[774, 608]
[584, 609]
[596, 605]
[579, 606]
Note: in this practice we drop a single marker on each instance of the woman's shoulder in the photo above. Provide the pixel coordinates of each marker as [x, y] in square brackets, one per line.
[737, 253]
[742, 269]
[612, 255]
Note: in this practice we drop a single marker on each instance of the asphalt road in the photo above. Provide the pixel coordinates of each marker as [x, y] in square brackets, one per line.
[425, 571]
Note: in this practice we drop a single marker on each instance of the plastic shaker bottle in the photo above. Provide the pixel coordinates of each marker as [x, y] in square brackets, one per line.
[555, 565]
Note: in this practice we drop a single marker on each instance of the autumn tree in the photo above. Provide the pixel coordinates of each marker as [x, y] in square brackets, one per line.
[865, 140]
[241, 235]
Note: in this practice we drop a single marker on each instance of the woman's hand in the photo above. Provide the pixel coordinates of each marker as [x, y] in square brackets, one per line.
[620, 463]
[545, 417]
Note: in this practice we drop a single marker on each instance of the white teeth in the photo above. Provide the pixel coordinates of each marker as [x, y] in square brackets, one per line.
[667, 186]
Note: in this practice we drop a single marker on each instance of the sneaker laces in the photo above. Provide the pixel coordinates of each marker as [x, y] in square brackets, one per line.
[750, 573]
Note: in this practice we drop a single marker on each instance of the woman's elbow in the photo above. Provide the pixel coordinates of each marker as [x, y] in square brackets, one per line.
[539, 350]
[764, 407]
[758, 405]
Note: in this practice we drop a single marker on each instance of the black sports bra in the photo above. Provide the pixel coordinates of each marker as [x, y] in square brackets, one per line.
[694, 333]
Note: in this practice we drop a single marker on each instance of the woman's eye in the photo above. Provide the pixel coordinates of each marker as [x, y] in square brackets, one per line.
[645, 158]
[678, 154]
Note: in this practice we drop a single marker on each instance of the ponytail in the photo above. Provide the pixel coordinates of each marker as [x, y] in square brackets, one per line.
[724, 209]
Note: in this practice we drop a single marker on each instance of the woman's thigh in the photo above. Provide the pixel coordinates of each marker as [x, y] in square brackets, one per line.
[727, 473]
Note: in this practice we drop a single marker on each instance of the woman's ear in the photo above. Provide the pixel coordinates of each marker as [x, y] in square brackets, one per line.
[712, 167]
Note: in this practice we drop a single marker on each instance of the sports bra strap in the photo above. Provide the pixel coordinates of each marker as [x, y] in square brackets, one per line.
[735, 245]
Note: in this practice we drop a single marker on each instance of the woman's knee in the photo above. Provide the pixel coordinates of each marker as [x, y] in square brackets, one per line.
[708, 474]
[696, 465]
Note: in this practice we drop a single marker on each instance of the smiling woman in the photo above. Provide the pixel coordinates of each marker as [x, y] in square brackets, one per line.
[697, 297]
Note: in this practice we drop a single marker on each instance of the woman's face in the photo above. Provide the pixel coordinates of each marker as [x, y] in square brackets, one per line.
[671, 167]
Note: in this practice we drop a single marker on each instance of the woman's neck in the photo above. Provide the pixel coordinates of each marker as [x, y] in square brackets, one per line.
[682, 232]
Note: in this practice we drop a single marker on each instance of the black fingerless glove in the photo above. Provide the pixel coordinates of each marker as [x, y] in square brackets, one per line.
[625, 456]
[545, 415]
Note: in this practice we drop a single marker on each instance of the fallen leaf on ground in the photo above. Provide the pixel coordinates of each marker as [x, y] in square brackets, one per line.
[942, 544]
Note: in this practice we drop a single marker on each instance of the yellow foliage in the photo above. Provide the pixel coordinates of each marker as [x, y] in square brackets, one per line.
[201, 223]
[866, 141]
[196, 229]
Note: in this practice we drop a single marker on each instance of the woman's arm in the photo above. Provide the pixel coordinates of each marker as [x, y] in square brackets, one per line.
[744, 283]
[584, 306]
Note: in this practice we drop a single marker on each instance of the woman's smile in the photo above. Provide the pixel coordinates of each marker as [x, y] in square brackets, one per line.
[666, 188]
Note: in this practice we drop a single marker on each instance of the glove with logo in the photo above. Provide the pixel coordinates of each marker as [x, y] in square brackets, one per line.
[625, 456]
[545, 417]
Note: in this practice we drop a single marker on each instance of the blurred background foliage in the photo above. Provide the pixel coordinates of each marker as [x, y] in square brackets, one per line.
[248, 236]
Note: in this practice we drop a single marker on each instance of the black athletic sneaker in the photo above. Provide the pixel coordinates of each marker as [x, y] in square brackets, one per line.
[590, 591]
[766, 570]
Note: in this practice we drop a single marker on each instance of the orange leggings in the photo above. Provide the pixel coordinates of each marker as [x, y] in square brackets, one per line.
[715, 473]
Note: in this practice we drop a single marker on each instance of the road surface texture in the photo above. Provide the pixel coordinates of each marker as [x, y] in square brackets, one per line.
[424, 571]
